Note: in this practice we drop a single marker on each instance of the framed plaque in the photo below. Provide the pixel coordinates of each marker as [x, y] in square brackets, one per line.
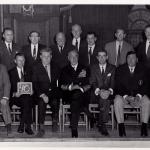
[24, 87]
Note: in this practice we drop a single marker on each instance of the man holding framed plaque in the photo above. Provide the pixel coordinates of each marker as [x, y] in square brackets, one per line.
[21, 93]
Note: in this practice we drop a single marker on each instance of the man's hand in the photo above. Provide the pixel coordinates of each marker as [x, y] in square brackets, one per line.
[75, 87]
[104, 94]
[82, 74]
[45, 99]
[17, 94]
[3, 101]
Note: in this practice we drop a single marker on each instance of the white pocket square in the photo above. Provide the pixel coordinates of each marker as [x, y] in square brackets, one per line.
[109, 74]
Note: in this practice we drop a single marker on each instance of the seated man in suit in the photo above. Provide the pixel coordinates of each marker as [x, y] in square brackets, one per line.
[21, 74]
[102, 82]
[60, 50]
[32, 50]
[131, 89]
[8, 49]
[4, 98]
[75, 80]
[118, 49]
[45, 82]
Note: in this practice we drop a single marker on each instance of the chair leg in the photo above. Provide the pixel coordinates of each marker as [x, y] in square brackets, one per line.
[36, 117]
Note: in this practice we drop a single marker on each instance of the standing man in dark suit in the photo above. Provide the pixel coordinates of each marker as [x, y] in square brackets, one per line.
[88, 55]
[8, 49]
[102, 82]
[143, 49]
[20, 74]
[118, 49]
[32, 51]
[77, 40]
[45, 82]
[60, 50]
[4, 98]
[131, 89]
[75, 79]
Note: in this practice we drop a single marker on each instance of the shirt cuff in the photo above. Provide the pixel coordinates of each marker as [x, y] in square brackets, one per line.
[97, 91]
[125, 96]
[139, 95]
[111, 91]
[42, 95]
[69, 87]
[82, 90]
[6, 98]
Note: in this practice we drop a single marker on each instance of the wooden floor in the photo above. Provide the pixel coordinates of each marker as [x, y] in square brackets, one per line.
[90, 138]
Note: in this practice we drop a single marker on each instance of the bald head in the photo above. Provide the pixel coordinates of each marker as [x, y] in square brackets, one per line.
[76, 31]
[60, 39]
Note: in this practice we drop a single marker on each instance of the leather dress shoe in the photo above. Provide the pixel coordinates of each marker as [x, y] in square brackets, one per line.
[144, 131]
[74, 133]
[122, 131]
[29, 131]
[104, 130]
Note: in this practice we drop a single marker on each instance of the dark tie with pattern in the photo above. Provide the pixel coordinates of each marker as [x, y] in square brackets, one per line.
[22, 76]
[90, 54]
[76, 44]
[34, 53]
[9, 49]
[102, 70]
[118, 56]
[148, 51]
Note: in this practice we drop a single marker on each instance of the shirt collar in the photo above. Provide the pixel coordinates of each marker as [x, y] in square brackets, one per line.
[8, 43]
[93, 46]
[36, 45]
[75, 66]
[104, 66]
[20, 69]
[119, 43]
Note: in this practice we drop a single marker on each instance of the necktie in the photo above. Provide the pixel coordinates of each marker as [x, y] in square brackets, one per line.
[22, 76]
[118, 56]
[76, 44]
[48, 73]
[148, 51]
[9, 49]
[34, 53]
[102, 70]
[90, 54]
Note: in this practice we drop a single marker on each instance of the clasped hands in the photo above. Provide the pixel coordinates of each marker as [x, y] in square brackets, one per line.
[104, 94]
[82, 74]
[75, 87]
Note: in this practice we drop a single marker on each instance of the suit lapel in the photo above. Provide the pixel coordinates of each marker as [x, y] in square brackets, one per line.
[16, 74]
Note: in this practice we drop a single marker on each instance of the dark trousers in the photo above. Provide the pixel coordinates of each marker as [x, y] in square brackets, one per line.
[78, 105]
[104, 108]
[54, 104]
[25, 104]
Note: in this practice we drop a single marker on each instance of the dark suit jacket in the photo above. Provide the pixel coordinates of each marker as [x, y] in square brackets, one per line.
[61, 59]
[4, 82]
[127, 84]
[14, 78]
[80, 50]
[41, 82]
[7, 59]
[26, 50]
[111, 51]
[106, 81]
[69, 75]
[84, 56]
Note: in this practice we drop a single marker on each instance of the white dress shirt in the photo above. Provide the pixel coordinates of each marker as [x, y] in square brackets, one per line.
[74, 42]
[19, 71]
[102, 66]
[147, 45]
[117, 46]
[92, 48]
[59, 47]
[32, 48]
[8, 44]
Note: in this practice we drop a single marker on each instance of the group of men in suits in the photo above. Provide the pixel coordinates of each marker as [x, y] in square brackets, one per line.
[80, 72]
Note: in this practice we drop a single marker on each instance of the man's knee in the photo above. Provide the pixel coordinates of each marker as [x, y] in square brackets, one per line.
[118, 100]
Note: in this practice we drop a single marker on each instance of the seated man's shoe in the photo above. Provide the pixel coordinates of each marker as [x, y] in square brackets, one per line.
[20, 128]
[29, 131]
[9, 131]
[92, 122]
[40, 133]
[104, 130]
[144, 131]
[122, 131]
[74, 133]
